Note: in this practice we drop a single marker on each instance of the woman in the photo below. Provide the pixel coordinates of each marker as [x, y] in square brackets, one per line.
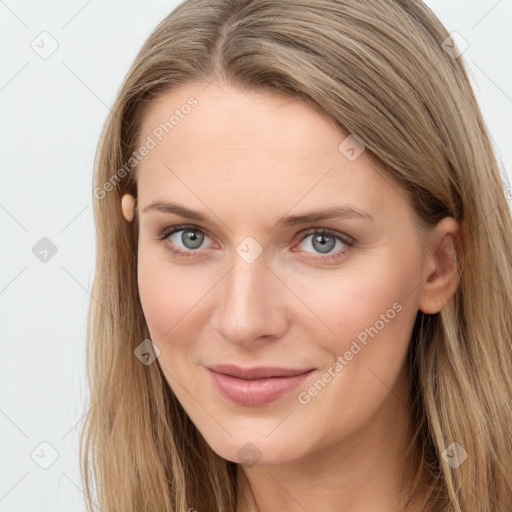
[302, 297]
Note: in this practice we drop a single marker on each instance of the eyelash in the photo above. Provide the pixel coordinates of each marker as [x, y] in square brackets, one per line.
[345, 239]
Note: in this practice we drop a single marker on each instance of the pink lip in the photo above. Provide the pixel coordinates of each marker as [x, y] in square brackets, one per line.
[256, 386]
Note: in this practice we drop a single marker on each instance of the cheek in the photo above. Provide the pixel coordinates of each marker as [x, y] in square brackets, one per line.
[347, 303]
[174, 313]
[155, 296]
[169, 294]
[371, 311]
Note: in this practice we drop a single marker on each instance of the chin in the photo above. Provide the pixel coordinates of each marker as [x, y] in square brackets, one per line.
[255, 449]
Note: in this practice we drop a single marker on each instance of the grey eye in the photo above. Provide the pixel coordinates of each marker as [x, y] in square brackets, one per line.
[190, 238]
[322, 243]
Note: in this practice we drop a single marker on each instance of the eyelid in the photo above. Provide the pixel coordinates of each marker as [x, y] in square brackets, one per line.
[327, 231]
[309, 231]
[181, 227]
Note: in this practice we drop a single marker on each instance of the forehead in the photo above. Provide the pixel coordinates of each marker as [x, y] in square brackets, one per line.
[224, 116]
[261, 146]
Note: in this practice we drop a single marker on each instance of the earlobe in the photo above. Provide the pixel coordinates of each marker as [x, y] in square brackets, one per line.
[128, 206]
[443, 281]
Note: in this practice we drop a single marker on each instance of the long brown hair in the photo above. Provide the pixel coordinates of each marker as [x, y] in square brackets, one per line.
[383, 71]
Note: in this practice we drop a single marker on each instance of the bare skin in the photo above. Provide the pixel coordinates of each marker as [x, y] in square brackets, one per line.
[245, 160]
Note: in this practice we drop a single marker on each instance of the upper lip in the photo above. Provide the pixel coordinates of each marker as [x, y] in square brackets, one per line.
[259, 372]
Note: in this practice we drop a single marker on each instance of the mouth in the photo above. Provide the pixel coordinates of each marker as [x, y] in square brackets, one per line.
[259, 386]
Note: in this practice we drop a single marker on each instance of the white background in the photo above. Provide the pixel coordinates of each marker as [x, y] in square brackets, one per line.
[51, 113]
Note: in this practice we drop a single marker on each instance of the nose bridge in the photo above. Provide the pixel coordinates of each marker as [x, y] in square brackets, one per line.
[247, 307]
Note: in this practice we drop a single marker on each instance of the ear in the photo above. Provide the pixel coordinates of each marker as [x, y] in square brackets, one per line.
[128, 206]
[442, 266]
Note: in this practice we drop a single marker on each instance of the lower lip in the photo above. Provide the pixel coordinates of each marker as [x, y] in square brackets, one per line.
[257, 392]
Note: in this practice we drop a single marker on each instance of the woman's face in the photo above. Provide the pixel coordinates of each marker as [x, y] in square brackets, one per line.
[249, 278]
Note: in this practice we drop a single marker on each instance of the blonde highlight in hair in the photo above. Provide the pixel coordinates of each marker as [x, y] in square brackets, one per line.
[378, 70]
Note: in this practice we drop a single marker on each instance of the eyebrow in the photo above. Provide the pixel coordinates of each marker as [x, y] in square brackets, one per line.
[345, 211]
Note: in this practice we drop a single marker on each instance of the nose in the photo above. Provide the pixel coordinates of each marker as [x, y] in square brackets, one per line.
[251, 303]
